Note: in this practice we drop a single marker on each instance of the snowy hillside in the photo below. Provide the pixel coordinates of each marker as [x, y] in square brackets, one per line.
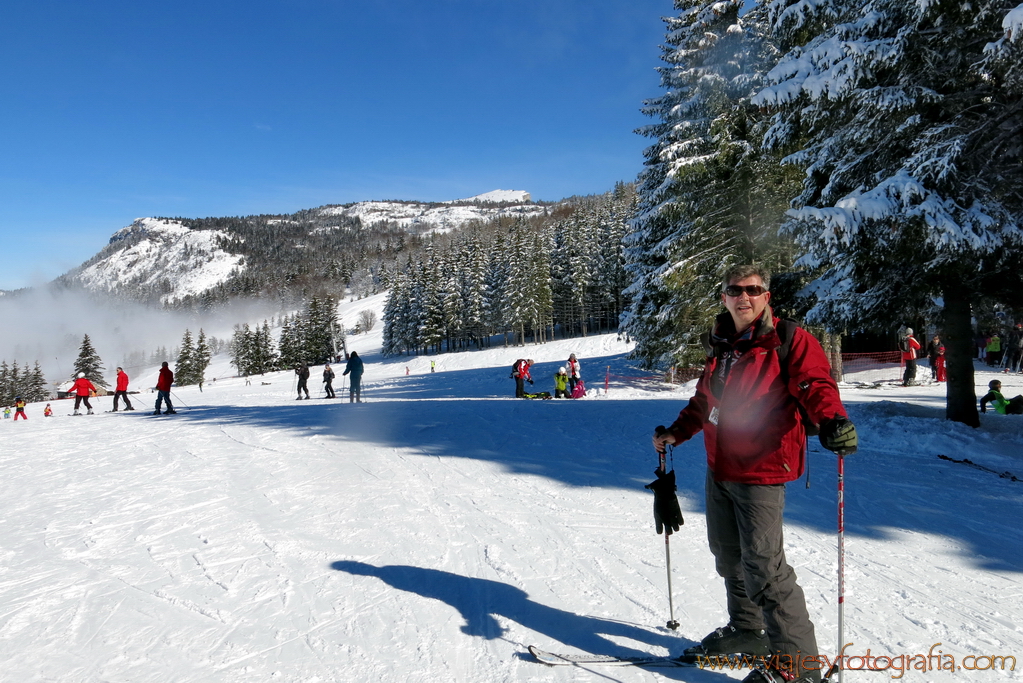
[437, 530]
[188, 261]
[441, 217]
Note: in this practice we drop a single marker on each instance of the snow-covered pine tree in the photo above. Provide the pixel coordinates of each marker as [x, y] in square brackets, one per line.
[909, 134]
[496, 293]
[241, 349]
[201, 357]
[289, 346]
[707, 196]
[185, 369]
[89, 362]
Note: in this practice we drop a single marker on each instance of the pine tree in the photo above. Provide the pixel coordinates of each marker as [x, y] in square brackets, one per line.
[89, 362]
[185, 369]
[201, 357]
[708, 197]
[905, 118]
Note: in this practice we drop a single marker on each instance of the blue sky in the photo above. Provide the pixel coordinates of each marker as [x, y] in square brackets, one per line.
[115, 110]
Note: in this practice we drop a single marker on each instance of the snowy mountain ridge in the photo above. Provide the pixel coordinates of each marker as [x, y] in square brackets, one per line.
[442, 216]
[162, 260]
[155, 252]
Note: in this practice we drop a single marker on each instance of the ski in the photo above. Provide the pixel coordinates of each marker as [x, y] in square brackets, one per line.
[966, 461]
[713, 662]
[554, 659]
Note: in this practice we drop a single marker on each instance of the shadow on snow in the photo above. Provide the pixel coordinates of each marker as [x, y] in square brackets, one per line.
[604, 442]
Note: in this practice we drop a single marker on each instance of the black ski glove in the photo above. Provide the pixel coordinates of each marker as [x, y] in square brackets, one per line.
[667, 515]
[530, 382]
[839, 435]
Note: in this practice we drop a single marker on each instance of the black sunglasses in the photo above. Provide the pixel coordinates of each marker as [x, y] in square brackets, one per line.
[737, 290]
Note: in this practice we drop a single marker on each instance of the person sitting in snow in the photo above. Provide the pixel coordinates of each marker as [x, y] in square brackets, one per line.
[561, 383]
[47, 411]
[1002, 406]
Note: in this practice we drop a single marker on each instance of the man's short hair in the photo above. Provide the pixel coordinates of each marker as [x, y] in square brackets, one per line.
[743, 271]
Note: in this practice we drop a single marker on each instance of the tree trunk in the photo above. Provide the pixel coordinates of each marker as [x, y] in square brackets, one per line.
[961, 397]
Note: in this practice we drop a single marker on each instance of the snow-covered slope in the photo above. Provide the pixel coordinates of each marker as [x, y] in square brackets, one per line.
[435, 531]
[444, 216]
[161, 251]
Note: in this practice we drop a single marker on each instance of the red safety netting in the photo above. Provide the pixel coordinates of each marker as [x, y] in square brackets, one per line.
[872, 368]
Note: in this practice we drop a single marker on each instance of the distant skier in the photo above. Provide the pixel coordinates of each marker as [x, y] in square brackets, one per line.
[163, 388]
[121, 391]
[82, 387]
[520, 372]
[19, 409]
[909, 346]
[355, 368]
[328, 381]
[47, 411]
[7, 412]
[302, 370]
[574, 374]
[561, 383]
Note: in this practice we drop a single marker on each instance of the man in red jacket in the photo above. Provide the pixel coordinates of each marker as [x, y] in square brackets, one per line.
[747, 404]
[121, 390]
[82, 387]
[163, 387]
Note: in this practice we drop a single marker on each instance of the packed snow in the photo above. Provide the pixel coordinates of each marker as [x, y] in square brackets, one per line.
[435, 531]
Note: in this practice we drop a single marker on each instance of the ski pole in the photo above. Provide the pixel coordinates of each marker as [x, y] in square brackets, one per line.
[178, 400]
[836, 668]
[672, 624]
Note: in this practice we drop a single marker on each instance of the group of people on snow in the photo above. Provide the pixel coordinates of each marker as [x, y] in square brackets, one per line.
[354, 368]
[1002, 350]
[568, 382]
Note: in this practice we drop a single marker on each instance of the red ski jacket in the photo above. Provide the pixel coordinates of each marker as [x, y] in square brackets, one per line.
[166, 380]
[914, 346]
[746, 403]
[82, 386]
[122, 381]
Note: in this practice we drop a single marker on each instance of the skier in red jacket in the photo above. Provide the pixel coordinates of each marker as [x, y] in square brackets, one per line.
[122, 390]
[163, 387]
[81, 388]
[747, 405]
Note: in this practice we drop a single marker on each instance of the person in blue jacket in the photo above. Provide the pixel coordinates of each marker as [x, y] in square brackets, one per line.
[354, 367]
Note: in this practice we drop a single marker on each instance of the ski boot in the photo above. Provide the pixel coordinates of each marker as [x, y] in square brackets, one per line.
[765, 674]
[170, 412]
[76, 413]
[156, 412]
[90, 412]
[729, 640]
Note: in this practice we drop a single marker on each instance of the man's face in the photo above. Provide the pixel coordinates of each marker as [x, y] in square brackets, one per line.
[745, 308]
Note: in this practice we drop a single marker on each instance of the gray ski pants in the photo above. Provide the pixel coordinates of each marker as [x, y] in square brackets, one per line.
[744, 528]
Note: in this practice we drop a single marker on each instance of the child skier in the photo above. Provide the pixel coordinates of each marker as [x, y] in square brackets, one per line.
[48, 411]
[561, 383]
[19, 409]
[7, 412]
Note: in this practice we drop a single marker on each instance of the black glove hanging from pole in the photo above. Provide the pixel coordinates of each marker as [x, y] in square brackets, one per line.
[667, 514]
